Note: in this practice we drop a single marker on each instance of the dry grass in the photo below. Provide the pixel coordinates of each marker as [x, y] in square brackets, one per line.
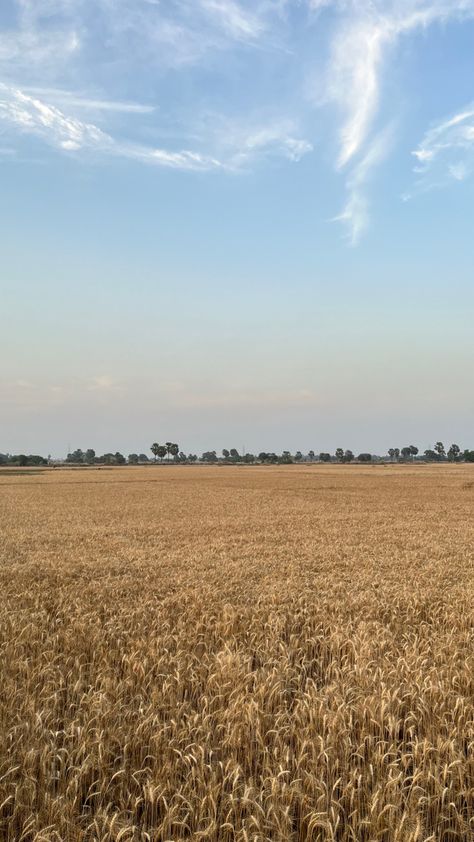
[237, 654]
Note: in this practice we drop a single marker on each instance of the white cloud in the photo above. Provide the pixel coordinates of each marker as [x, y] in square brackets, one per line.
[242, 142]
[355, 214]
[447, 150]
[31, 116]
[31, 47]
[75, 101]
[278, 138]
[235, 20]
[360, 49]
[183, 160]
[366, 36]
[74, 72]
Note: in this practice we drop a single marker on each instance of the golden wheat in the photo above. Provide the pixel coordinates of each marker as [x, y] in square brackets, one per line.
[237, 655]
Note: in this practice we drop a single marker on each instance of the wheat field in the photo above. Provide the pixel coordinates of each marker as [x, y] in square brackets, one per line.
[243, 654]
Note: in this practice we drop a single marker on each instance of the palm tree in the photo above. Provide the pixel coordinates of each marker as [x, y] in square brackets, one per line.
[155, 448]
[174, 450]
[162, 452]
[169, 445]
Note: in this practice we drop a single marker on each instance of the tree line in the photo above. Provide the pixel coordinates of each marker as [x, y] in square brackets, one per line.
[170, 452]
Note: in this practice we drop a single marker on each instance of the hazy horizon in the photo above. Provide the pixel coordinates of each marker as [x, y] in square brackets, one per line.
[231, 223]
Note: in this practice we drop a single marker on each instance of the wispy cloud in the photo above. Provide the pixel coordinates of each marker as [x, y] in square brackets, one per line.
[243, 141]
[39, 39]
[31, 116]
[50, 67]
[277, 138]
[69, 99]
[364, 40]
[235, 20]
[356, 211]
[447, 150]
[104, 78]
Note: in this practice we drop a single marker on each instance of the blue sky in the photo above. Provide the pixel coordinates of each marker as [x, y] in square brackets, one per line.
[231, 223]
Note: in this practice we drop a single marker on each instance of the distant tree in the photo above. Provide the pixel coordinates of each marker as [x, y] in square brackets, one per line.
[268, 458]
[234, 454]
[468, 455]
[285, 458]
[107, 459]
[414, 451]
[348, 456]
[324, 457]
[142, 457]
[209, 456]
[119, 458]
[249, 458]
[182, 457]
[430, 455]
[133, 459]
[364, 457]
[391, 453]
[397, 453]
[169, 445]
[225, 453]
[162, 451]
[192, 457]
[34, 459]
[174, 450]
[439, 449]
[311, 455]
[3, 459]
[89, 456]
[76, 458]
[155, 449]
[453, 453]
[406, 452]
[339, 454]
[298, 456]
[22, 460]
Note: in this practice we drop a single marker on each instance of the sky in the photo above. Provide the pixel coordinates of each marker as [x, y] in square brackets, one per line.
[236, 224]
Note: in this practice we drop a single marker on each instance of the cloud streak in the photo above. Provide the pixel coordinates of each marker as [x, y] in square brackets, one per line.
[236, 21]
[68, 99]
[365, 39]
[356, 211]
[446, 152]
[31, 116]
